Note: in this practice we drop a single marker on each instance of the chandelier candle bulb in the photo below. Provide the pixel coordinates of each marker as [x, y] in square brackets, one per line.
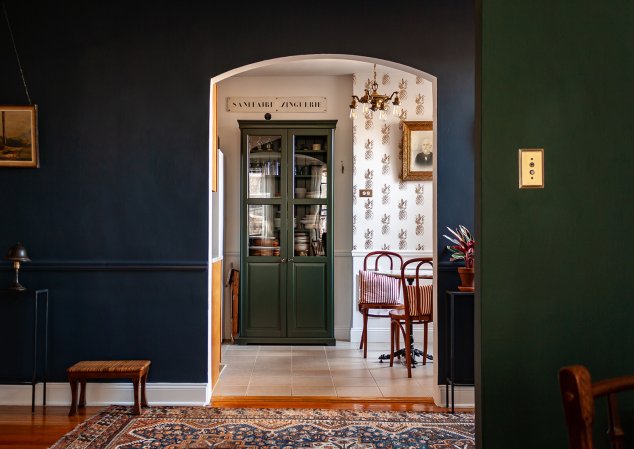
[374, 101]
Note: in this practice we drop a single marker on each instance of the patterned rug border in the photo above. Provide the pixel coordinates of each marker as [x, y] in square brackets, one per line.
[98, 431]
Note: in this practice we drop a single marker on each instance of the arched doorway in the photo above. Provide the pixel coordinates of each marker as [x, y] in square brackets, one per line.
[349, 263]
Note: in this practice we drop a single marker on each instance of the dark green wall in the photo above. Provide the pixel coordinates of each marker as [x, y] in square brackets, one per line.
[555, 264]
[115, 219]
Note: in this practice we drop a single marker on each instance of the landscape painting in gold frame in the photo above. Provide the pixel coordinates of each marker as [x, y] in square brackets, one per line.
[418, 151]
[18, 136]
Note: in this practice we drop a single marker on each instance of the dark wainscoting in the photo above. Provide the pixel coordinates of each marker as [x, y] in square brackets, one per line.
[122, 310]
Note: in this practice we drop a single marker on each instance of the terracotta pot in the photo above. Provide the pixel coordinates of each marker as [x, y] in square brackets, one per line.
[466, 278]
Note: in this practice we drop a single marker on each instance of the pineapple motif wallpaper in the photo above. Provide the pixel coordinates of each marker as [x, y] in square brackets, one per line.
[399, 214]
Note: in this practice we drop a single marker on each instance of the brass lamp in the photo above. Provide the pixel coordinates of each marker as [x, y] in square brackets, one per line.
[17, 253]
[374, 101]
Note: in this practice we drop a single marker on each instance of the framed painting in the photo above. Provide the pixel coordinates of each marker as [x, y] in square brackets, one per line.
[418, 151]
[18, 136]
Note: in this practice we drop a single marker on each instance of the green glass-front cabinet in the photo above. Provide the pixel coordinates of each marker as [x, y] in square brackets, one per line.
[286, 291]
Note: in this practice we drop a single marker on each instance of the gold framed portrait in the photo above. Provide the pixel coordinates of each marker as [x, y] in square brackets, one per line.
[418, 151]
[18, 136]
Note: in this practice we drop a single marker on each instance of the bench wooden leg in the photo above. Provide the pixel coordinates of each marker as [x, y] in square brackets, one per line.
[73, 402]
[137, 407]
[143, 397]
[82, 393]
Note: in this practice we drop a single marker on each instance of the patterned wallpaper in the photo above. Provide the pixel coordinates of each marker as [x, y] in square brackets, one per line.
[399, 214]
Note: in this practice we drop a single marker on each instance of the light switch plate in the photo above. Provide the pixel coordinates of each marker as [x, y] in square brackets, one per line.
[365, 193]
[531, 168]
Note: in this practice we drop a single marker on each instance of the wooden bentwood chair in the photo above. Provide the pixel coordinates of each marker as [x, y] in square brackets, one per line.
[377, 291]
[418, 309]
[578, 393]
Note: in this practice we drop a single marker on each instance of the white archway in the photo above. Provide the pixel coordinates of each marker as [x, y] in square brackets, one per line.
[213, 140]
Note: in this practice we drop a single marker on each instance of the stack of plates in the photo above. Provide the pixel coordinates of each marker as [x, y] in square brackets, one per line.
[315, 194]
[301, 244]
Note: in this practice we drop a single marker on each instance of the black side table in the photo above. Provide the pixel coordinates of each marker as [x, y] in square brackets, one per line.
[12, 298]
[466, 341]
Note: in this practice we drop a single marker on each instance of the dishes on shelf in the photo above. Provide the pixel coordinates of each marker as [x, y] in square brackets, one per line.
[264, 250]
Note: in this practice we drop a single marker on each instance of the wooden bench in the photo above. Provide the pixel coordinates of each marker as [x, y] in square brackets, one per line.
[137, 370]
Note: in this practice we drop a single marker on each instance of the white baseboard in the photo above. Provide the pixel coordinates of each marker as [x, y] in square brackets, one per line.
[382, 335]
[464, 396]
[58, 393]
[342, 333]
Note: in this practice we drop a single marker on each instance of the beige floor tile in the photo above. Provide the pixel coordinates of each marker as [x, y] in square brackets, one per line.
[309, 353]
[272, 370]
[358, 392]
[242, 352]
[235, 379]
[280, 348]
[269, 391]
[360, 372]
[354, 381]
[347, 363]
[273, 381]
[272, 362]
[404, 391]
[239, 368]
[344, 353]
[230, 390]
[314, 391]
[316, 381]
[395, 372]
[239, 361]
[309, 362]
[399, 382]
[309, 348]
[342, 344]
[311, 372]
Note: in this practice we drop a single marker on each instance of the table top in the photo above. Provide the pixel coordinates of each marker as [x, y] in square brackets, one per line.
[423, 273]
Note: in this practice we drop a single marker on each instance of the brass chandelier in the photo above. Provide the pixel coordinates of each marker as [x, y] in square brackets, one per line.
[374, 101]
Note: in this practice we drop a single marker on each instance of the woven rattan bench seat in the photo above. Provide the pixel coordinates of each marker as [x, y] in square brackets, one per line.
[112, 368]
[137, 370]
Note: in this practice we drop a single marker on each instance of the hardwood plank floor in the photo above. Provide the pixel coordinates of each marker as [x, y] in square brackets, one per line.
[19, 429]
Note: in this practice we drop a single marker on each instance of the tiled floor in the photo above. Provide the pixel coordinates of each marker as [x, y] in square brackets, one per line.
[337, 370]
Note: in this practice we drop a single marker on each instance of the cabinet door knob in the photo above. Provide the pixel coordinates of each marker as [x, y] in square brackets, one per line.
[283, 261]
[291, 259]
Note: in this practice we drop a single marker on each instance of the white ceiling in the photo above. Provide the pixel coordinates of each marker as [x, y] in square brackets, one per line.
[312, 67]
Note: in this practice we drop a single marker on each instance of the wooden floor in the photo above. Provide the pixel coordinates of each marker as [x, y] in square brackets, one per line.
[19, 429]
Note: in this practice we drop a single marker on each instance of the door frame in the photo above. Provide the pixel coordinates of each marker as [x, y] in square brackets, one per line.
[213, 148]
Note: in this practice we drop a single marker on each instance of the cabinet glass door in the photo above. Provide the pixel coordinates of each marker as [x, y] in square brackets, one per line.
[309, 192]
[264, 166]
[310, 167]
[310, 233]
[264, 222]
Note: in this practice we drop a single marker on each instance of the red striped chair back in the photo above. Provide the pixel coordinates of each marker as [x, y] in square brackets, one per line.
[418, 299]
[378, 289]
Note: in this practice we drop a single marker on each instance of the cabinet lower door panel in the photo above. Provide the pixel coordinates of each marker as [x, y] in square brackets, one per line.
[308, 308]
[264, 315]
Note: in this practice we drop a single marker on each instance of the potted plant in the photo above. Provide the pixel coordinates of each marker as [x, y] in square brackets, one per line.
[462, 248]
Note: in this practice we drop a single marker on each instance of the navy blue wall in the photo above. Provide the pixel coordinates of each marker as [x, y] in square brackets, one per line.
[123, 96]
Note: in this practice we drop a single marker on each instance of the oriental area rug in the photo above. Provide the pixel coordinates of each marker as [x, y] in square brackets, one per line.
[254, 428]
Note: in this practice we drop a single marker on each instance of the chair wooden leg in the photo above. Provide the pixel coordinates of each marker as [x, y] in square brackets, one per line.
[399, 330]
[365, 334]
[408, 348]
[82, 393]
[137, 406]
[363, 331]
[425, 344]
[392, 343]
[143, 396]
[73, 402]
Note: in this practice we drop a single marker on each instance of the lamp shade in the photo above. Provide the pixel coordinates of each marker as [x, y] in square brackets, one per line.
[17, 253]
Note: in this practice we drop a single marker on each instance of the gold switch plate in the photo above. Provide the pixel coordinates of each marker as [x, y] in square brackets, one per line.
[531, 164]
